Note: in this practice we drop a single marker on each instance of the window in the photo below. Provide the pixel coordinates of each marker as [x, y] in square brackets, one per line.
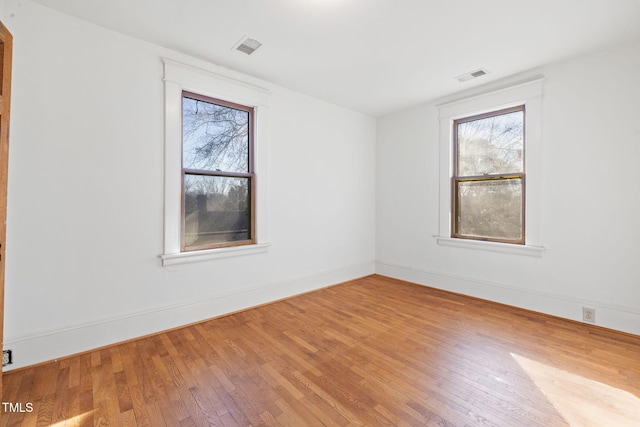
[491, 171]
[217, 173]
[216, 144]
[488, 177]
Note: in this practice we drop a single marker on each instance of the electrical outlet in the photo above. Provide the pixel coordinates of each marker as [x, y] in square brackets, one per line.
[589, 314]
[7, 357]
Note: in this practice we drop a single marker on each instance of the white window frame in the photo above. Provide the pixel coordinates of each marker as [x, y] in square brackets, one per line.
[528, 94]
[178, 78]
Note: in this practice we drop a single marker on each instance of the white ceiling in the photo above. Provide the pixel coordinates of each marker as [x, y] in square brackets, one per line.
[373, 56]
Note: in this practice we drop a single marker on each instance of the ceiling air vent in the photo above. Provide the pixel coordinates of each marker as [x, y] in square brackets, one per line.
[247, 45]
[472, 75]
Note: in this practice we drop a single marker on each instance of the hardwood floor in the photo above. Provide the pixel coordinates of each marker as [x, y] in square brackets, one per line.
[374, 351]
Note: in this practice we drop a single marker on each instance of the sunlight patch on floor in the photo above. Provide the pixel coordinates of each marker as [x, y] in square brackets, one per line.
[73, 421]
[581, 401]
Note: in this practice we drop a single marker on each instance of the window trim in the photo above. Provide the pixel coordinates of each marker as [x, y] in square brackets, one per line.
[456, 178]
[529, 94]
[231, 87]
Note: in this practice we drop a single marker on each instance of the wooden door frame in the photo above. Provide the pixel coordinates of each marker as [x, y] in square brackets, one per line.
[6, 53]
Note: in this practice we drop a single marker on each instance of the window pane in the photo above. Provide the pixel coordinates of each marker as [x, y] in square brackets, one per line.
[491, 209]
[214, 137]
[217, 209]
[491, 145]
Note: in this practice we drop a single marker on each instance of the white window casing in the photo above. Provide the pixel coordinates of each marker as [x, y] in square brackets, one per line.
[528, 94]
[178, 78]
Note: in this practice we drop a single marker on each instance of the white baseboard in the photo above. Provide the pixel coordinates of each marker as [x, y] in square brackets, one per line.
[618, 317]
[53, 344]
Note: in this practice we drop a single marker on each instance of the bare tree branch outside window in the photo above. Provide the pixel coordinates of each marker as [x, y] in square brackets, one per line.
[216, 162]
[488, 182]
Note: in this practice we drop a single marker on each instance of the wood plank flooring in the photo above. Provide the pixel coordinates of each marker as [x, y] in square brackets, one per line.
[371, 352]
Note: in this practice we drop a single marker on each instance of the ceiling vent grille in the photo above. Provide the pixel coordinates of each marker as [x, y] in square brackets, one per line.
[247, 45]
[472, 75]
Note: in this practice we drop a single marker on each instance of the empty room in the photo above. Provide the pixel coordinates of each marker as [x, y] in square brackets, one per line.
[320, 213]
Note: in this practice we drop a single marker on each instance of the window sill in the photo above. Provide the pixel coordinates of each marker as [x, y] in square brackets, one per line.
[505, 248]
[211, 254]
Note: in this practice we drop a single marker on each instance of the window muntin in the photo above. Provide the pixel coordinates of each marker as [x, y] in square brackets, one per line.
[218, 178]
[488, 183]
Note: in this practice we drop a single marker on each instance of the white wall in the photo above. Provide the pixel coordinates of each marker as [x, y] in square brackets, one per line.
[590, 202]
[85, 203]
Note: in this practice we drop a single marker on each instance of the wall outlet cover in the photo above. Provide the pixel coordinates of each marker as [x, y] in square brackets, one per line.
[7, 357]
[589, 314]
